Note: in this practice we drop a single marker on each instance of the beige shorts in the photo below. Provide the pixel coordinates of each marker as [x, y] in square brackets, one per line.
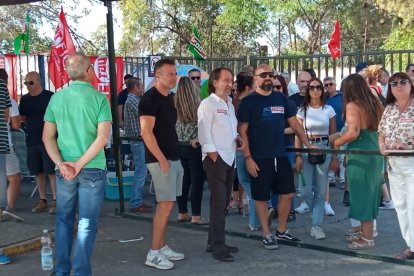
[12, 163]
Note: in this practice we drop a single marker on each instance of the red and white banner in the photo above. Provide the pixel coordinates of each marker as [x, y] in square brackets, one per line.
[62, 47]
[101, 81]
[9, 63]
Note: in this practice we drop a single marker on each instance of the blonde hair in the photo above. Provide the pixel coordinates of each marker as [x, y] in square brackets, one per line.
[187, 100]
[373, 74]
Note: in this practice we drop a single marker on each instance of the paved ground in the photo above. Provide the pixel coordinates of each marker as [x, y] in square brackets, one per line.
[112, 257]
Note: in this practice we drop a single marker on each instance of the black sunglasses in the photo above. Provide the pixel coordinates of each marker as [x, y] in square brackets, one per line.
[28, 82]
[401, 82]
[318, 87]
[278, 87]
[196, 78]
[329, 84]
[266, 74]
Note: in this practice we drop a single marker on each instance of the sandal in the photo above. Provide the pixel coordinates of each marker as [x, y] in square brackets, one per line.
[359, 246]
[406, 255]
[353, 238]
[240, 210]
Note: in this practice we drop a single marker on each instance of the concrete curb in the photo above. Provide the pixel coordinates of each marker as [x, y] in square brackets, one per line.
[24, 246]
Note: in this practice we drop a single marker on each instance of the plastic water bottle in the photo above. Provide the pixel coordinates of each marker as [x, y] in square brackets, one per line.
[46, 253]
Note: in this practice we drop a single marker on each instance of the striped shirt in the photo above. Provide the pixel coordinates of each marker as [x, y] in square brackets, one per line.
[4, 104]
[131, 118]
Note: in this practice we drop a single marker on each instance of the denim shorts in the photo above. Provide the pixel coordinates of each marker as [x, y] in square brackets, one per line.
[168, 185]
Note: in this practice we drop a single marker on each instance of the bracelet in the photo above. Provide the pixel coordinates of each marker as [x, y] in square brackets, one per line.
[248, 157]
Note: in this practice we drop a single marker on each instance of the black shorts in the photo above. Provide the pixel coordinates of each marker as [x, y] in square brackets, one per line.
[38, 161]
[270, 180]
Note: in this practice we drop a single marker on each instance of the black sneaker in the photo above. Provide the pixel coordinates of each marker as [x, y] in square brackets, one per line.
[269, 242]
[286, 236]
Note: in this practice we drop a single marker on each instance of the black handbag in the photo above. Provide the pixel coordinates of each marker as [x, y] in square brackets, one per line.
[315, 158]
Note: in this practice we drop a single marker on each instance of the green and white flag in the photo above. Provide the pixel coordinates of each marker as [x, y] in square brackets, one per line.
[195, 47]
[23, 39]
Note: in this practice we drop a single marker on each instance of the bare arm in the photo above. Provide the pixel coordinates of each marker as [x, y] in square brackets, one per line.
[353, 120]
[147, 126]
[16, 122]
[381, 143]
[299, 131]
[49, 139]
[251, 165]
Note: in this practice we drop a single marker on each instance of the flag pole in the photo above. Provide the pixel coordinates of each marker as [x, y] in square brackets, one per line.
[116, 141]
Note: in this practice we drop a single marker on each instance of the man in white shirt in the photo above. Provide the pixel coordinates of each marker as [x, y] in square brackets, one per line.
[384, 81]
[217, 133]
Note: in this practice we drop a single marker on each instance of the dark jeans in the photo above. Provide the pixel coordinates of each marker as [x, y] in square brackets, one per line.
[220, 178]
[193, 179]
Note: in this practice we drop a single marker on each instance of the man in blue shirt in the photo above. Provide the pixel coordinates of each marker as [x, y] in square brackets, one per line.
[261, 117]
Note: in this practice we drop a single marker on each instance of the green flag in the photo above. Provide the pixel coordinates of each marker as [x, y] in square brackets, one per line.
[195, 47]
[23, 38]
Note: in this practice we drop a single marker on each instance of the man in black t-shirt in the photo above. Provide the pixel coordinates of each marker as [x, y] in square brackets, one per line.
[32, 109]
[157, 118]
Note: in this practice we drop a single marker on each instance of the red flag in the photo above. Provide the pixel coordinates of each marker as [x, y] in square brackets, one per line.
[62, 47]
[334, 44]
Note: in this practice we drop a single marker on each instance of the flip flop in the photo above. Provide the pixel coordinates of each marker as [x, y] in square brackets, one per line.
[406, 255]
[184, 219]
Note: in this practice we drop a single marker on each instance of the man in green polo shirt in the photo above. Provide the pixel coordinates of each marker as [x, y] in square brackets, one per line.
[82, 117]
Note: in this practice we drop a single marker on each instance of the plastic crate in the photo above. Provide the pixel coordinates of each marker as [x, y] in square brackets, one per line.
[112, 188]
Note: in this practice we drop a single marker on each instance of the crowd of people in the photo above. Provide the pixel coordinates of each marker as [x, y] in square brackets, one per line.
[236, 139]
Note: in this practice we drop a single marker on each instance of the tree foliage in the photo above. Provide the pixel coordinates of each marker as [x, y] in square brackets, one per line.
[12, 20]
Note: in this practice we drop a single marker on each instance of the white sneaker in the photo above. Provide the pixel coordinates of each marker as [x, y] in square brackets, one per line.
[303, 208]
[11, 216]
[156, 259]
[328, 210]
[253, 228]
[171, 254]
[387, 205]
[317, 232]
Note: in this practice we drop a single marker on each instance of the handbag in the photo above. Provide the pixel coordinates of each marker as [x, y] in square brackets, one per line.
[314, 158]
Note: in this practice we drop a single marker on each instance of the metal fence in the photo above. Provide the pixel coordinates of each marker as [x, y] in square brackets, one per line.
[323, 65]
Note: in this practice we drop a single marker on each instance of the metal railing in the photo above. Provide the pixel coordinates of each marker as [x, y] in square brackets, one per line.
[324, 65]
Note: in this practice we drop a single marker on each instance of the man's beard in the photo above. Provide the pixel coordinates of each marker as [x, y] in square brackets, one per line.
[267, 86]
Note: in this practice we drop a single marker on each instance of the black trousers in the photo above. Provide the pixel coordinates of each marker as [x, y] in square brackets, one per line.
[193, 179]
[220, 178]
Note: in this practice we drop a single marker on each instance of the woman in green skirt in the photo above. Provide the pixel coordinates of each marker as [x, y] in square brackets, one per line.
[362, 114]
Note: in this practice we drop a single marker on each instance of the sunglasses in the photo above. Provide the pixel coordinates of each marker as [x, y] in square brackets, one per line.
[28, 82]
[196, 78]
[401, 82]
[329, 84]
[266, 74]
[278, 87]
[318, 87]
